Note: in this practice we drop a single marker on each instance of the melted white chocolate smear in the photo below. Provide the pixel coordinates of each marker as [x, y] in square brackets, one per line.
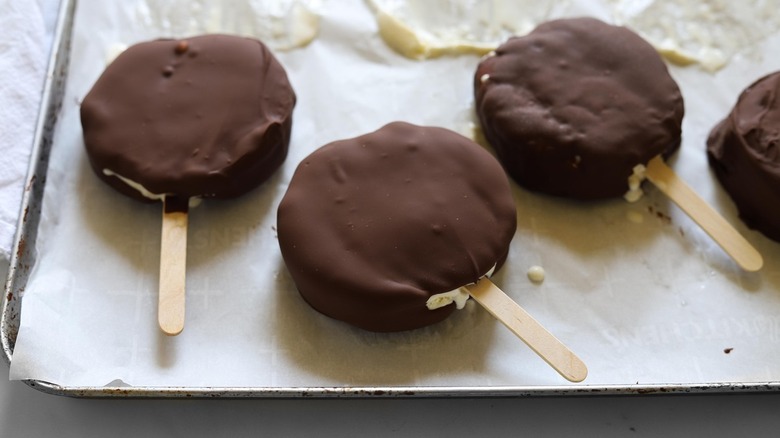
[280, 24]
[428, 29]
[707, 33]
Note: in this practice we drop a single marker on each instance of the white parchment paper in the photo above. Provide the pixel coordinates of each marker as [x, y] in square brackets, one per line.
[636, 290]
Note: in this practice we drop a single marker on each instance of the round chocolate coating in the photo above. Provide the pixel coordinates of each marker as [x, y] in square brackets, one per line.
[574, 106]
[206, 116]
[744, 152]
[371, 227]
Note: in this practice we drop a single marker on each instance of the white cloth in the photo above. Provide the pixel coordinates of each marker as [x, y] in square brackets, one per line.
[23, 55]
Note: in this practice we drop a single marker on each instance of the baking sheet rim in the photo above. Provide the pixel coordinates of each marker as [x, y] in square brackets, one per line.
[23, 251]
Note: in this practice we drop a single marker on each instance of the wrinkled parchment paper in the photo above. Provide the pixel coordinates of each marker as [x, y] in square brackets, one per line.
[636, 290]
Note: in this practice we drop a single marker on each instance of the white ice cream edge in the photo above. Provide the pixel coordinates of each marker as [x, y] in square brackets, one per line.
[146, 193]
[635, 180]
[458, 296]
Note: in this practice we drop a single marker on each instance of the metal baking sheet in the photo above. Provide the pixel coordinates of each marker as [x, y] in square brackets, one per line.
[25, 255]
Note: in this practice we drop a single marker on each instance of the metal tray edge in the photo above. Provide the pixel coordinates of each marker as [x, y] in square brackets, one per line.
[146, 392]
[23, 254]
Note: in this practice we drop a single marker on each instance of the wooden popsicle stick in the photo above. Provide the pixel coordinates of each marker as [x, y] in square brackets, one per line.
[173, 261]
[735, 245]
[525, 327]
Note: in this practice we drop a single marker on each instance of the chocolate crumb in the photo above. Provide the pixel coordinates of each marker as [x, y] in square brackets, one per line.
[181, 47]
[167, 71]
[665, 218]
[728, 350]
